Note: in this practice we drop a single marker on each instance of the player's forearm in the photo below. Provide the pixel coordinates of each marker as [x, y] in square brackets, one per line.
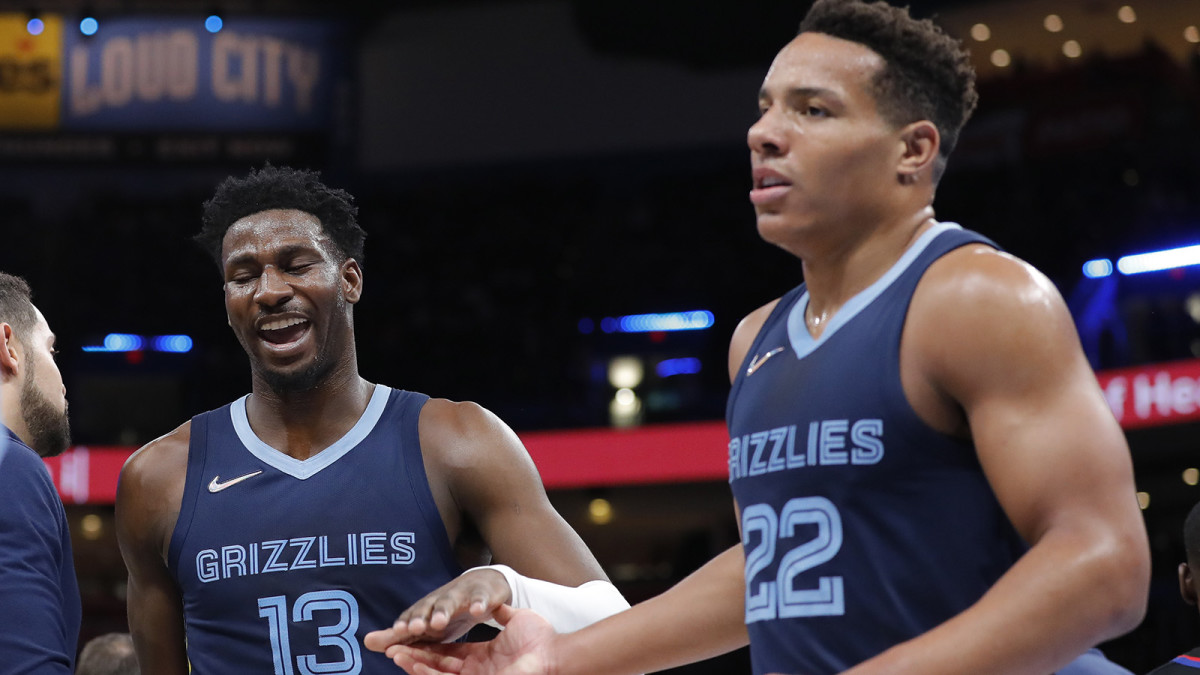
[699, 618]
[1071, 591]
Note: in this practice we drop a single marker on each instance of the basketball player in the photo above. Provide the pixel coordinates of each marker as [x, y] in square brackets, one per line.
[39, 596]
[928, 479]
[268, 535]
[1189, 574]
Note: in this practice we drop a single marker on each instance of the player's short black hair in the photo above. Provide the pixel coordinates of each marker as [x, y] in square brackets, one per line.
[282, 187]
[1191, 534]
[927, 76]
[16, 304]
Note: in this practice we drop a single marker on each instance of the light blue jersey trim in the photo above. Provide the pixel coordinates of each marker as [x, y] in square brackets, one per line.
[307, 468]
[803, 342]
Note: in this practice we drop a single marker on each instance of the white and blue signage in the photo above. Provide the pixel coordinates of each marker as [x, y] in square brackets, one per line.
[170, 74]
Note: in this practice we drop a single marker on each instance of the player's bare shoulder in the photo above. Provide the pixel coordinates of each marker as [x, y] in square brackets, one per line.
[976, 285]
[150, 491]
[162, 460]
[979, 312]
[744, 334]
[462, 434]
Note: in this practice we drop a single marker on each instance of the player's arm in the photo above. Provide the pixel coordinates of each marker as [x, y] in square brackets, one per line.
[149, 495]
[698, 618]
[992, 336]
[33, 632]
[480, 472]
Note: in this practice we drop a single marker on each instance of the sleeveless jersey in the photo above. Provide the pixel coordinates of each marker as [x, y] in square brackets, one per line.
[862, 527]
[284, 565]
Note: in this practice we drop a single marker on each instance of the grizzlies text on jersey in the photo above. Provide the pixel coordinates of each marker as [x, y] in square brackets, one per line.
[265, 592]
[853, 510]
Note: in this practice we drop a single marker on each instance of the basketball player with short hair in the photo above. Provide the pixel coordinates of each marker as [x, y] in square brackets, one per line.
[267, 536]
[39, 595]
[1189, 588]
[927, 477]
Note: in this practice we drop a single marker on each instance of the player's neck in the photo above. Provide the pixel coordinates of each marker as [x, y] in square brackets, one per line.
[846, 268]
[303, 423]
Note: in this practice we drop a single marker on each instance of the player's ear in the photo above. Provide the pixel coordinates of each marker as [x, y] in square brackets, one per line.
[920, 142]
[1186, 588]
[10, 355]
[352, 280]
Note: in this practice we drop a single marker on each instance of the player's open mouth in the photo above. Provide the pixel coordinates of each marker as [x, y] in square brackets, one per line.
[283, 333]
[768, 186]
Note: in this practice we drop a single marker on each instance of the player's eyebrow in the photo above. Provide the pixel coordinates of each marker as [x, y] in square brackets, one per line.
[802, 92]
[284, 251]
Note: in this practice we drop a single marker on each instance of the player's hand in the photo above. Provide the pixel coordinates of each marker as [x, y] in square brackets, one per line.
[524, 647]
[447, 613]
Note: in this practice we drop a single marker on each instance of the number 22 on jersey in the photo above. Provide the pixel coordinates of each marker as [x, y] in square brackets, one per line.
[779, 598]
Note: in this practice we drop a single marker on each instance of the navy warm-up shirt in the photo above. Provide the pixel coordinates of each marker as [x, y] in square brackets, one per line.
[39, 596]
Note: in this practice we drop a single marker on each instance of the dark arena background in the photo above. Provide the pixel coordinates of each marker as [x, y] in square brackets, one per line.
[555, 196]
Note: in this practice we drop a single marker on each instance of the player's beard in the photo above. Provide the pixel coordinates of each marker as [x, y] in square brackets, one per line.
[305, 380]
[49, 429]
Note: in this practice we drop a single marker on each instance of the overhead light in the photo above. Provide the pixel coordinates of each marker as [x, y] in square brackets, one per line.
[35, 26]
[213, 23]
[1192, 305]
[1001, 58]
[1097, 269]
[88, 25]
[1155, 261]
[1191, 34]
[1071, 49]
[1053, 23]
[600, 511]
[1126, 14]
[981, 32]
[625, 372]
[1191, 476]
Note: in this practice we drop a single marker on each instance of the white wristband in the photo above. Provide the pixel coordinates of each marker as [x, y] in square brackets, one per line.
[566, 608]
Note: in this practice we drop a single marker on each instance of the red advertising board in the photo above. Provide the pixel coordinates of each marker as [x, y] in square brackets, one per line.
[1165, 393]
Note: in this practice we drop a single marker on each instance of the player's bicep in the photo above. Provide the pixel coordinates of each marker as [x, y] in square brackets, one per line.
[1007, 352]
[498, 487]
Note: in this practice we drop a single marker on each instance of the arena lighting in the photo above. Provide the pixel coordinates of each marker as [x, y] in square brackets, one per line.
[127, 342]
[684, 366]
[89, 25]
[1159, 260]
[1095, 269]
[213, 23]
[172, 344]
[646, 323]
[35, 26]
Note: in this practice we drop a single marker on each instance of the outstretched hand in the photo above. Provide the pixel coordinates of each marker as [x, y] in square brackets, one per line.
[447, 613]
[523, 648]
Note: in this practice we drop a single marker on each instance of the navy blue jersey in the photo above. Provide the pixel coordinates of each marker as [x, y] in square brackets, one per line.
[39, 596]
[284, 565]
[862, 526]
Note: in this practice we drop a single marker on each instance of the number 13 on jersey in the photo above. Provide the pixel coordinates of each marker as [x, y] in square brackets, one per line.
[779, 598]
[339, 633]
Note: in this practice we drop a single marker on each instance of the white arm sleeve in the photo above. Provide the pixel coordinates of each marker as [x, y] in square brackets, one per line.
[566, 608]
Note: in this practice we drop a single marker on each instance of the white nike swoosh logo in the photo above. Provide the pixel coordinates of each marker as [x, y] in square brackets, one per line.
[756, 362]
[216, 485]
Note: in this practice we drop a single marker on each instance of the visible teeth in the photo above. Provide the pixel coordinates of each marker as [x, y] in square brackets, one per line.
[772, 181]
[282, 323]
